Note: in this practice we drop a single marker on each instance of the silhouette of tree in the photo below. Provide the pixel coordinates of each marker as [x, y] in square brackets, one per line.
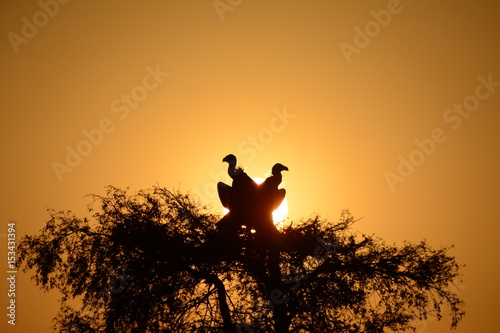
[154, 262]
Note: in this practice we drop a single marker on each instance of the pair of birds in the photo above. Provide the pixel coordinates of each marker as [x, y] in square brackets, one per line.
[250, 204]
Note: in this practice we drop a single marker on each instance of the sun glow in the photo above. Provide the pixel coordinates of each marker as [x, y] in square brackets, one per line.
[279, 215]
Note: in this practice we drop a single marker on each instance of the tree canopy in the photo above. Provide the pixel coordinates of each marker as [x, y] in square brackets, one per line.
[153, 261]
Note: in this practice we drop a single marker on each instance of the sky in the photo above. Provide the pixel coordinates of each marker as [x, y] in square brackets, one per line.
[389, 109]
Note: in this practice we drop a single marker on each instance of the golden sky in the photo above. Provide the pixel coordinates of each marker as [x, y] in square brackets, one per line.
[387, 108]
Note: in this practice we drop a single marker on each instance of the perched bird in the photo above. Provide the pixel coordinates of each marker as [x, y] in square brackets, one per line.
[242, 189]
[240, 198]
[269, 198]
[269, 188]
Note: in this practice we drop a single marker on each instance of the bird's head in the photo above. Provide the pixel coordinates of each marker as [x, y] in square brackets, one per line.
[231, 159]
[277, 168]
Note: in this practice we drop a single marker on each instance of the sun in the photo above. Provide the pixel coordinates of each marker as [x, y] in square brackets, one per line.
[279, 215]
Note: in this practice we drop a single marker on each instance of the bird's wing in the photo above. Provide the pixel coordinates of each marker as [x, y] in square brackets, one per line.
[278, 197]
[224, 191]
[272, 181]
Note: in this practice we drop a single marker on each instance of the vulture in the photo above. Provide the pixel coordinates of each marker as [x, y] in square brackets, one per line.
[269, 188]
[269, 199]
[240, 198]
[242, 189]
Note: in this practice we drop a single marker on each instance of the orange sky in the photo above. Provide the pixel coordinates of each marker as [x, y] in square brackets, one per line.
[344, 93]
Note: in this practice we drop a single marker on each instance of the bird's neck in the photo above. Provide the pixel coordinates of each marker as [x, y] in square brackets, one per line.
[231, 169]
[278, 177]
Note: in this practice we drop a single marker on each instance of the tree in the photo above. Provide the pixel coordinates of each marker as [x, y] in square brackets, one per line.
[153, 262]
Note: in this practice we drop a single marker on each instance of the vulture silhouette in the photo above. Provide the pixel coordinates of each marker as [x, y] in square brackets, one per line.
[269, 199]
[240, 198]
[242, 189]
[272, 196]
